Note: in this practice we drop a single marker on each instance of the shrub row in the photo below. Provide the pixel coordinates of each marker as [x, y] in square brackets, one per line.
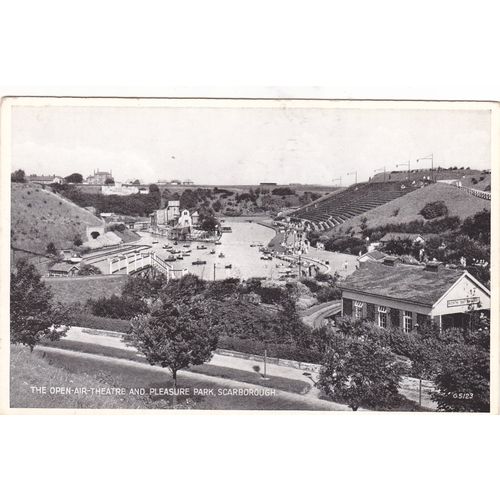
[281, 351]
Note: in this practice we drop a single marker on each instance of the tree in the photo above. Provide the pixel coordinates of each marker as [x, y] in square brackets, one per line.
[176, 333]
[361, 372]
[33, 316]
[74, 178]
[88, 270]
[109, 180]
[18, 176]
[137, 182]
[463, 378]
[77, 241]
[51, 249]
[209, 223]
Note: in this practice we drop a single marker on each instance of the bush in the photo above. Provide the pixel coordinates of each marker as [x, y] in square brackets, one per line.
[328, 293]
[434, 209]
[116, 307]
[87, 320]
[283, 191]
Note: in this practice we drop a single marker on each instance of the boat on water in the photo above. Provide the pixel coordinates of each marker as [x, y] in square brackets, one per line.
[170, 258]
[155, 242]
[218, 242]
[228, 266]
[167, 247]
[199, 262]
[186, 254]
[212, 252]
[179, 257]
[173, 252]
[201, 247]
[226, 229]
[266, 257]
[186, 246]
[221, 255]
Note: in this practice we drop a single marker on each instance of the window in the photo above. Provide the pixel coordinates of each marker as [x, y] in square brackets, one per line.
[382, 316]
[358, 309]
[407, 321]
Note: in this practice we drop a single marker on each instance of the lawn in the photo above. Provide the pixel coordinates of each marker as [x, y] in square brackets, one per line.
[135, 376]
[280, 383]
[29, 370]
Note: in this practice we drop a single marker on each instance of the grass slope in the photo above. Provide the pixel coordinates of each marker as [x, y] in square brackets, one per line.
[38, 370]
[407, 208]
[68, 291]
[39, 217]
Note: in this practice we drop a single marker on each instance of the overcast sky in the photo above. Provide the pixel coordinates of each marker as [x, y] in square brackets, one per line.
[230, 145]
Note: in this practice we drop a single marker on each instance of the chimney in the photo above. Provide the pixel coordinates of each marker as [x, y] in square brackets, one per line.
[389, 261]
[432, 266]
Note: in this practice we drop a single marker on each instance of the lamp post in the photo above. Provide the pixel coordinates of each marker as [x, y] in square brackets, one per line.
[355, 173]
[431, 158]
[406, 164]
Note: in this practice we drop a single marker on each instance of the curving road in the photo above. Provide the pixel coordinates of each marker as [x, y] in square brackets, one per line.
[315, 316]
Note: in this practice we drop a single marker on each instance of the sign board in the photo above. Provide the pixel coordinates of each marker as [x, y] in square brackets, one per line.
[463, 302]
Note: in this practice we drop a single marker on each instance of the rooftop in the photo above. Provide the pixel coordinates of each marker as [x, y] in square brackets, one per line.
[63, 266]
[375, 255]
[402, 282]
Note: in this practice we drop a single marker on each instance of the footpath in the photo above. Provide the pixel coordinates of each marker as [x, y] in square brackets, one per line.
[304, 373]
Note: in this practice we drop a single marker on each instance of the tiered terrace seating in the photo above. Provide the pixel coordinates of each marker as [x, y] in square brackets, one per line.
[355, 200]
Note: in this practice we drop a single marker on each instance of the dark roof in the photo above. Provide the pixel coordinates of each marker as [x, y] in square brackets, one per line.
[63, 266]
[375, 254]
[400, 236]
[402, 282]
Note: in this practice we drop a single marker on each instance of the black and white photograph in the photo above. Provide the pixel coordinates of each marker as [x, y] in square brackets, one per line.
[249, 254]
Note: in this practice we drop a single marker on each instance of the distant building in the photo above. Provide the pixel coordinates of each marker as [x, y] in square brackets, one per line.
[173, 210]
[119, 189]
[70, 256]
[188, 182]
[65, 269]
[168, 215]
[185, 219]
[404, 296]
[195, 218]
[99, 177]
[268, 184]
[45, 179]
[373, 256]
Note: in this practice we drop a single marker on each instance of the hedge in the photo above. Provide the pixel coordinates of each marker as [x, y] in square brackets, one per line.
[87, 320]
[281, 351]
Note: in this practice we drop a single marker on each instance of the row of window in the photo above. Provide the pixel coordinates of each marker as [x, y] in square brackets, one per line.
[382, 316]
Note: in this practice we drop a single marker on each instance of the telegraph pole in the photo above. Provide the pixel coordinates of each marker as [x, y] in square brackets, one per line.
[214, 270]
[338, 179]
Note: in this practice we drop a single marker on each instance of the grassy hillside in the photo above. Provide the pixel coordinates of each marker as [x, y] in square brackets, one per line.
[39, 217]
[85, 287]
[35, 370]
[478, 179]
[407, 208]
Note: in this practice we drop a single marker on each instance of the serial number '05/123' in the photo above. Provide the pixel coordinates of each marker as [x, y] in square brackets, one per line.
[463, 395]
